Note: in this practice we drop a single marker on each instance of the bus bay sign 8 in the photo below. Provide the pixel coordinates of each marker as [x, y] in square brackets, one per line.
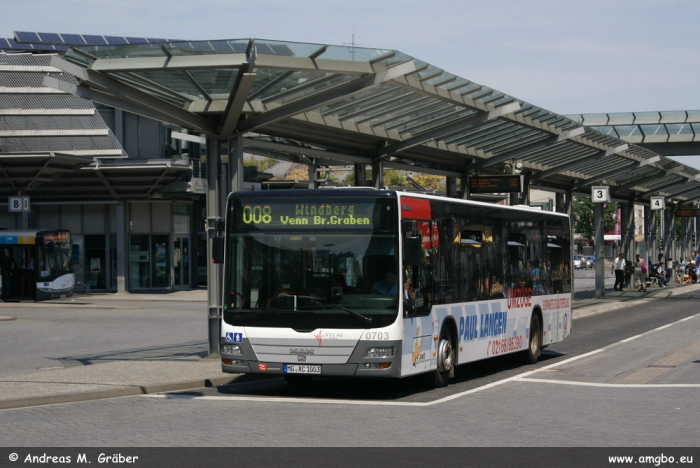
[20, 204]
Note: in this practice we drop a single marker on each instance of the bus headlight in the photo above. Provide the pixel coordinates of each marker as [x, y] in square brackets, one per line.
[231, 349]
[379, 352]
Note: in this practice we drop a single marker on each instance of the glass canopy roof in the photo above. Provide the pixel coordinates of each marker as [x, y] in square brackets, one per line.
[378, 103]
[646, 127]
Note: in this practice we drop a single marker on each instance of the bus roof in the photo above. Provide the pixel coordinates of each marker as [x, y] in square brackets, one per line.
[27, 232]
[24, 236]
[369, 192]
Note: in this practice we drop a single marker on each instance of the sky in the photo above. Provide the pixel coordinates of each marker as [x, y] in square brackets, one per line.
[570, 57]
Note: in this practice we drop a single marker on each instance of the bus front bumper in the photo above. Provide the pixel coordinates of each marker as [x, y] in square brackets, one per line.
[357, 365]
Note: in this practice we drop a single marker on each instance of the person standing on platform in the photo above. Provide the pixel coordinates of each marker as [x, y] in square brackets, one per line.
[661, 271]
[640, 273]
[618, 267]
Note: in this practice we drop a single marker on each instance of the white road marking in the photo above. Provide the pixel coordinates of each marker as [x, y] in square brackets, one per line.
[607, 385]
[630, 339]
[524, 377]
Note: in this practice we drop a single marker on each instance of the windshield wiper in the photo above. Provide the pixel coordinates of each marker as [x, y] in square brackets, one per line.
[350, 311]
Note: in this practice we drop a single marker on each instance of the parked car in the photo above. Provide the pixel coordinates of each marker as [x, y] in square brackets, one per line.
[590, 261]
[579, 262]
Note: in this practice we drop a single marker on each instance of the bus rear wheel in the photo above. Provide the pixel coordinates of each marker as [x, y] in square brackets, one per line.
[445, 361]
[534, 346]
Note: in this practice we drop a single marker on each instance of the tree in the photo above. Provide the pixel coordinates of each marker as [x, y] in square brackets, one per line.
[395, 177]
[297, 172]
[584, 217]
[262, 164]
[430, 181]
[349, 179]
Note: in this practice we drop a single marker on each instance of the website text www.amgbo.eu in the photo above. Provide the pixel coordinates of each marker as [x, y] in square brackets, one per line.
[656, 460]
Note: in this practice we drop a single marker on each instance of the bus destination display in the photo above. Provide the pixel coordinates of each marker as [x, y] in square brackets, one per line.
[301, 215]
[687, 212]
[495, 184]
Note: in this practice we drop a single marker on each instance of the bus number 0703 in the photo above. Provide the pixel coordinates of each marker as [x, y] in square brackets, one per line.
[377, 336]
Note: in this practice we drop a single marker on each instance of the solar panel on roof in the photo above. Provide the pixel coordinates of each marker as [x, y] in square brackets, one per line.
[46, 47]
[14, 46]
[115, 40]
[49, 38]
[73, 39]
[24, 36]
[94, 40]
[155, 41]
[136, 40]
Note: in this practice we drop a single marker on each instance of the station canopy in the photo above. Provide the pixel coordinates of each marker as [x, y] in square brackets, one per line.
[55, 145]
[334, 105]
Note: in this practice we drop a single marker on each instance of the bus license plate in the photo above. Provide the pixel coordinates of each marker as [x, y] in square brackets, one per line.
[301, 369]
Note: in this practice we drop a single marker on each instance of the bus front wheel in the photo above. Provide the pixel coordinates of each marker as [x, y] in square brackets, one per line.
[445, 361]
[532, 353]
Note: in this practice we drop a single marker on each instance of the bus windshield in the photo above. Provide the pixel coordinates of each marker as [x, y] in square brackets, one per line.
[307, 278]
[54, 251]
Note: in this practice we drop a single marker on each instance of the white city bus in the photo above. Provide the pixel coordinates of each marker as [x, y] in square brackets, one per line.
[36, 264]
[308, 285]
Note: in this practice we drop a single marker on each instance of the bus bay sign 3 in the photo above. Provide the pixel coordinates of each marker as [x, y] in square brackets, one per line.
[600, 194]
[18, 204]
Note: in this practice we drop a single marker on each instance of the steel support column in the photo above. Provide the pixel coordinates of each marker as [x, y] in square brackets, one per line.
[377, 173]
[121, 246]
[235, 165]
[222, 172]
[599, 252]
[451, 187]
[624, 217]
[670, 215]
[214, 271]
[464, 186]
[360, 175]
[631, 223]
[312, 176]
[644, 246]
[652, 216]
[687, 228]
[525, 198]
[665, 230]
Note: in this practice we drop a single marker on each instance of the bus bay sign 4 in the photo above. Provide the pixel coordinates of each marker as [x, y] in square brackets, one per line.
[20, 204]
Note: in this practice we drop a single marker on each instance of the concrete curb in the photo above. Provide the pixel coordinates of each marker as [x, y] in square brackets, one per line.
[179, 296]
[59, 305]
[617, 302]
[118, 392]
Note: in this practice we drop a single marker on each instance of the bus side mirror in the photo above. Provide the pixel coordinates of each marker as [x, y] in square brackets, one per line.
[217, 250]
[411, 250]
